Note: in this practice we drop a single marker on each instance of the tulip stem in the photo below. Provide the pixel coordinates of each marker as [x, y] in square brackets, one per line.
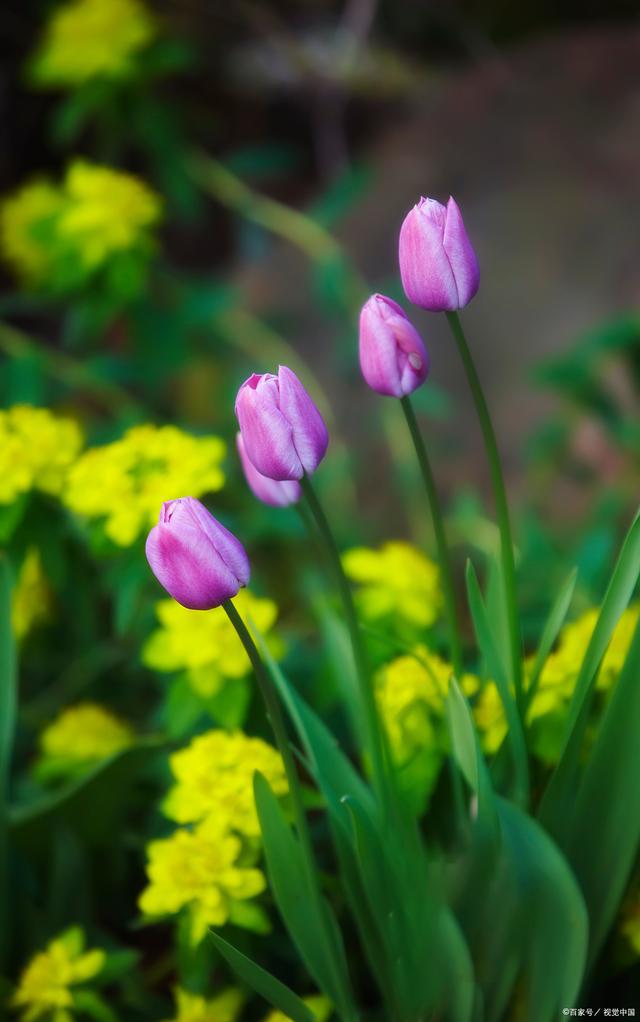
[455, 642]
[374, 735]
[276, 719]
[500, 498]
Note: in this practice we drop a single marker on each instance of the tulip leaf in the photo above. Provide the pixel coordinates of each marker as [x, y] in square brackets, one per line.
[552, 627]
[560, 790]
[310, 922]
[264, 984]
[604, 835]
[496, 667]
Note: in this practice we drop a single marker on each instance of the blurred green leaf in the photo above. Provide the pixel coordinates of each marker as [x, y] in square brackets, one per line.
[264, 984]
[550, 632]
[316, 937]
[603, 834]
[8, 706]
[560, 790]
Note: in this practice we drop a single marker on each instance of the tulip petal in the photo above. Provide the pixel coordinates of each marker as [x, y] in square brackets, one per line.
[425, 269]
[276, 493]
[461, 255]
[268, 435]
[308, 430]
[188, 567]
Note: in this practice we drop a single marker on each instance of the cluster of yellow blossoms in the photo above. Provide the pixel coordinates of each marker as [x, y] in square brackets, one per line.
[206, 646]
[36, 451]
[411, 693]
[79, 737]
[56, 236]
[86, 39]
[209, 868]
[124, 483]
[547, 712]
[396, 580]
[45, 988]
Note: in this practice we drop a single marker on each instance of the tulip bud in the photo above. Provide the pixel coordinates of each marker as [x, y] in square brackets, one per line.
[277, 493]
[199, 562]
[283, 432]
[393, 359]
[438, 266]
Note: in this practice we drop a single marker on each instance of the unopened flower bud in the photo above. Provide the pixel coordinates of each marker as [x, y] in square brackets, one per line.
[393, 359]
[438, 265]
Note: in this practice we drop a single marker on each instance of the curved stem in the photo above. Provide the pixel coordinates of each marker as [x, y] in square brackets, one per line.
[374, 736]
[276, 719]
[500, 498]
[455, 642]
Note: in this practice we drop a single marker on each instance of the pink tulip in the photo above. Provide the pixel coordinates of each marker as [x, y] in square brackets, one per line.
[283, 432]
[438, 266]
[199, 562]
[277, 493]
[393, 359]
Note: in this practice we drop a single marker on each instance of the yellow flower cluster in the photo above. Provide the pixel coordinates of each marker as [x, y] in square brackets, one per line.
[81, 736]
[396, 580]
[85, 39]
[125, 482]
[208, 869]
[194, 1008]
[556, 685]
[57, 236]
[200, 870]
[36, 451]
[411, 692]
[206, 646]
[45, 986]
[31, 599]
[215, 778]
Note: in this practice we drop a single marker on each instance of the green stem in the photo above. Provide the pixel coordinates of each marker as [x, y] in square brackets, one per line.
[500, 498]
[276, 719]
[373, 732]
[444, 556]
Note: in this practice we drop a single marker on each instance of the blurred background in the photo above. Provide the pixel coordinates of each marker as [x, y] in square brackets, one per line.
[194, 191]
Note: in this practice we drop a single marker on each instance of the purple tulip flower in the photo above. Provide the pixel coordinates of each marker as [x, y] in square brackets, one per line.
[393, 359]
[283, 432]
[277, 493]
[438, 266]
[199, 562]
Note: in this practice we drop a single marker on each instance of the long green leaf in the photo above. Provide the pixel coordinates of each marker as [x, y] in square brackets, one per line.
[604, 836]
[320, 946]
[560, 790]
[7, 728]
[552, 627]
[496, 665]
[264, 984]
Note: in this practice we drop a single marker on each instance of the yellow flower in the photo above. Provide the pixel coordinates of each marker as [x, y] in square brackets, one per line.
[194, 1008]
[549, 705]
[56, 236]
[80, 736]
[106, 211]
[36, 451]
[198, 870]
[215, 777]
[46, 983]
[206, 646]
[126, 482]
[411, 692]
[27, 220]
[396, 579]
[31, 599]
[319, 1006]
[89, 38]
